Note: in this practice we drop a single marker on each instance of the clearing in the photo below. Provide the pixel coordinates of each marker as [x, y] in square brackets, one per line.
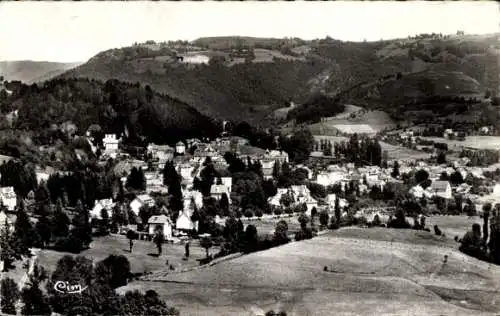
[403, 153]
[394, 272]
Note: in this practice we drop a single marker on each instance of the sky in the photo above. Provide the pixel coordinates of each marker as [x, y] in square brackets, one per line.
[76, 31]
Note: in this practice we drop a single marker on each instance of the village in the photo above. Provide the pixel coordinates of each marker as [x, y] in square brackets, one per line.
[439, 188]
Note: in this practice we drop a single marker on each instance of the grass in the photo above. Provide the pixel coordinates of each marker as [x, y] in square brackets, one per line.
[480, 142]
[372, 275]
[402, 153]
[141, 258]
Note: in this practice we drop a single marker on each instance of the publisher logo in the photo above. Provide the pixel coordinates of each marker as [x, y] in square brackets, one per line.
[67, 288]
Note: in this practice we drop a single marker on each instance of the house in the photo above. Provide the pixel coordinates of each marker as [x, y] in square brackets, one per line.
[8, 198]
[110, 143]
[191, 195]
[184, 221]
[267, 168]
[5, 220]
[161, 222]
[441, 188]
[105, 204]
[276, 199]
[217, 190]
[448, 133]
[140, 201]
[180, 148]
[276, 155]
[228, 182]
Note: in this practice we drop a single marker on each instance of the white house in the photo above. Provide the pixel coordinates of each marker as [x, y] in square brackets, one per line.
[161, 222]
[442, 189]
[180, 148]
[140, 201]
[228, 182]
[5, 220]
[275, 200]
[329, 178]
[217, 190]
[192, 195]
[8, 198]
[184, 221]
[106, 204]
[276, 155]
[42, 176]
[110, 142]
[196, 59]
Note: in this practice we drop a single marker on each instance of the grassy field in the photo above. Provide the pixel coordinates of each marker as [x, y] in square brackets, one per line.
[481, 142]
[399, 152]
[364, 121]
[142, 259]
[454, 225]
[372, 271]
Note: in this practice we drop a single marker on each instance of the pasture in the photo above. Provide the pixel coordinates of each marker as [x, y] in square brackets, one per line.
[479, 142]
[143, 258]
[370, 271]
[402, 153]
[353, 120]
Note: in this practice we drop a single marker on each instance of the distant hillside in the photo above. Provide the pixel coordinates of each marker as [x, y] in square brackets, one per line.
[116, 106]
[33, 71]
[249, 78]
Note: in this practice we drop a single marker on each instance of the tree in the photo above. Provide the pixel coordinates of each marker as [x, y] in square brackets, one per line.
[441, 158]
[207, 244]
[395, 170]
[300, 145]
[59, 222]
[486, 215]
[8, 247]
[173, 180]
[281, 233]
[159, 238]
[34, 300]
[9, 293]
[113, 271]
[337, 209]
[82, 230]
[456, 178]
[323, 218]
[224, 204]
[43, 229]
[303, 220]
[314, 212]
[24, 232]
[251, 239]
[276, 169]
[136, 179]
[421, 176]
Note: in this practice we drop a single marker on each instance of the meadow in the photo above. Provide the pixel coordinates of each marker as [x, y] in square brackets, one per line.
[370, 271]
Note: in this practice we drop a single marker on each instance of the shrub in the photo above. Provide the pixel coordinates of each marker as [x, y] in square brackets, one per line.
[288, 210]
[248, 213]
[277, 211]
[334, 224]
[258, 213]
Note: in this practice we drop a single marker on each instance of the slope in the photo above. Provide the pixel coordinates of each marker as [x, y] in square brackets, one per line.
[235, 77]
[115, 105]
[33, 71]
[367, 275]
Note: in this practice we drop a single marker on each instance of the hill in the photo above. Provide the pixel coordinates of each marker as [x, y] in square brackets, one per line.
[366, 275]
[117, 107]
[235, 77]
[29, 71]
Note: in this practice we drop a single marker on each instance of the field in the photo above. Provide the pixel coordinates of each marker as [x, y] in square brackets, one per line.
[402, 153]
[480, 142]
[454, 225]
[369, 122]
[371, 271]
[142, 259]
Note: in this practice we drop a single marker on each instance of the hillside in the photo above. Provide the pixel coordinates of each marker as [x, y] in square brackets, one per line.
[116, 106]
[29, 71]
[235, 77]
[387, 272]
